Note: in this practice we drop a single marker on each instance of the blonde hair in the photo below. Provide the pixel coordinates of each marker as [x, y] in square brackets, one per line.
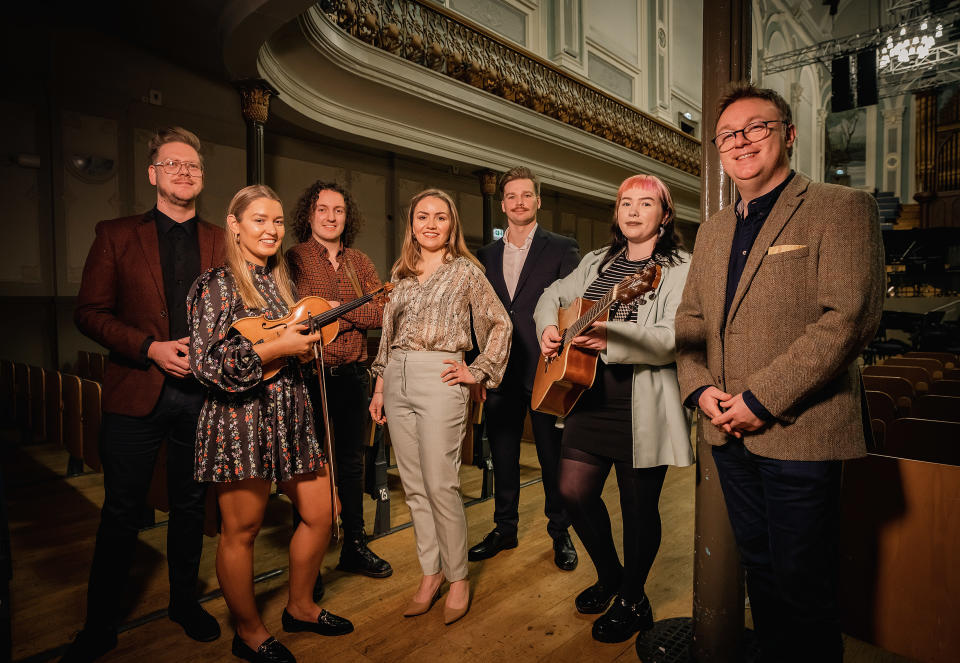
[406, 264]
[276, 264]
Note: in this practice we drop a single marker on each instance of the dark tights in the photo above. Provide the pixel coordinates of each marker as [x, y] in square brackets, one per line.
[582, 476]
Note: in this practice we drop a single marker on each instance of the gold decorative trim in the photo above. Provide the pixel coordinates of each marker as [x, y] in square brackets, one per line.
[432, 37]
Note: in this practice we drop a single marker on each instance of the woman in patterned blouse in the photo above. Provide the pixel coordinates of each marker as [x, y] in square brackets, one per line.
[253, 431]
[421, 388]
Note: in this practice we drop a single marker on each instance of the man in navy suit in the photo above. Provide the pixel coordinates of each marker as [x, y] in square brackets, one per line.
[519, 266]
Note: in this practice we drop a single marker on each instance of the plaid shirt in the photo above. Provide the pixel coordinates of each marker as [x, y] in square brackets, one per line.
[314, 276]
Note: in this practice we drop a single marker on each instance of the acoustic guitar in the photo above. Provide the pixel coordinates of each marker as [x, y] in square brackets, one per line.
[315, 312]
[560, 380]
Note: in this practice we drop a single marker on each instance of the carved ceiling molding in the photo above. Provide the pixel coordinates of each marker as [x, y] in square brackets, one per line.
[433, 39]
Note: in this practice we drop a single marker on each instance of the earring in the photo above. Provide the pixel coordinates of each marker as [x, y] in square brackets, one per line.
[663, 229]
[238, 238]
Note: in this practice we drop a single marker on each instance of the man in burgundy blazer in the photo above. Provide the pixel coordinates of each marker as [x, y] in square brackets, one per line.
[133, 302]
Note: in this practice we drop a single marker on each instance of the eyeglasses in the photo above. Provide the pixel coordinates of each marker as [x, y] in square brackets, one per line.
[173, 166]
[753, 133]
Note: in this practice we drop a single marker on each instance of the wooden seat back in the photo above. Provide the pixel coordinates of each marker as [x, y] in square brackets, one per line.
[72, 388]
[934, 406]
[919, 377]
[897, 388]
[923, 439]
[21, 374]
[881, 406]
[898, 556]
[98, 366]
[92, 417]
[8, 388]
[951, 373]
[53, 406]
[946, 388]
[948, 359]
[934, 366]
[82, 369]
[38, 403]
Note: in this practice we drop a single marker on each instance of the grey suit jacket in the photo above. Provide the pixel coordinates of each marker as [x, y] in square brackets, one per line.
[809, 300]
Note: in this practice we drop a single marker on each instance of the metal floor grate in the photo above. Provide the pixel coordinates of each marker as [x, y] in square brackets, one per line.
[669, 642]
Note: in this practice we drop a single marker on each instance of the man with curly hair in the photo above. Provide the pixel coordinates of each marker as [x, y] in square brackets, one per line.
[326, 221]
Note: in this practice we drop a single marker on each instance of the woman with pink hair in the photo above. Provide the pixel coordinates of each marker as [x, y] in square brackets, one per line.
[632, 418]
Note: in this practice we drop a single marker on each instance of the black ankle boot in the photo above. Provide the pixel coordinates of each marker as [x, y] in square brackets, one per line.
[356, 557]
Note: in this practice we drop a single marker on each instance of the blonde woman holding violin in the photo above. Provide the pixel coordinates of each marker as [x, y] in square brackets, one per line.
[254, 431]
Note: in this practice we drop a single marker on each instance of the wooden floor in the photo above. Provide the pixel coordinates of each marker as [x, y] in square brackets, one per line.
[522, 604]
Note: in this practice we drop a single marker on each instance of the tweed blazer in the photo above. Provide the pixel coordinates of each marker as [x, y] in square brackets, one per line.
[809, 300]
[661, 432]
[122, 302]
[551, 257]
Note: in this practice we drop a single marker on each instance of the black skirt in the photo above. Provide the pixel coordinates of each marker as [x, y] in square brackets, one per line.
[601, 423]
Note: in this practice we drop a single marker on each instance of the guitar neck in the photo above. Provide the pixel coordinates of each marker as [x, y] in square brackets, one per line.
[589, 317]
[323, 319]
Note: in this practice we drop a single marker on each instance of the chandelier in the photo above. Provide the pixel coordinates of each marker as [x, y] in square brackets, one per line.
[905, 50]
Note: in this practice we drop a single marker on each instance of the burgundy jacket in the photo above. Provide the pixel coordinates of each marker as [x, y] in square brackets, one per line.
[122, 303]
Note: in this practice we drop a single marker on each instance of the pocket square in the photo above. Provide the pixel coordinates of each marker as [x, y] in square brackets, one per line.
[783, 248]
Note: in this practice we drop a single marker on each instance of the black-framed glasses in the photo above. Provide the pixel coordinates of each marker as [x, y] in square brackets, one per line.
[173, 166]
[753, 132]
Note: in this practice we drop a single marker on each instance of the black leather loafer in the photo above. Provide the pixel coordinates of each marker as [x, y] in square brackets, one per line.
[622, 620]
[564, 554]
[269, 651]
[89, 645]
[594, 599]
[493, 543]
[327, 624]
[356, 557]
[196, 622]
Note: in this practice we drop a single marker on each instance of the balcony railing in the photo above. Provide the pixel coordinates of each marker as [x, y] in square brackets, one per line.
[432, 37]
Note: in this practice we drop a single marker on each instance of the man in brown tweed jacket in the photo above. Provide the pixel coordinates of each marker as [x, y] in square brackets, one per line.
[785, 289]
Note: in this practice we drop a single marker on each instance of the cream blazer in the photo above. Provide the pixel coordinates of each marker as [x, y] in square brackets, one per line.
[661, 430]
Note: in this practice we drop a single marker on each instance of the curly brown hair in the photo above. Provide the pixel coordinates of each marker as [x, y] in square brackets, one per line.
[307, 203]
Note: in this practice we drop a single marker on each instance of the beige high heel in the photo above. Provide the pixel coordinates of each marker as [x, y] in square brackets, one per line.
[417, 608]
[450, 615]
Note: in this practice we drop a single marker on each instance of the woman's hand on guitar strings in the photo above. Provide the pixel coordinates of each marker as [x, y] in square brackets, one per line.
[550, 341]
[594, 338]
[457, 373]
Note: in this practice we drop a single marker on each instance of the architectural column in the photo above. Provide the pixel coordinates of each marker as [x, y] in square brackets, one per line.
[718, 616]
[926, 139]
[488, 187]
[819, 167]
[892, 158]
[255, 106]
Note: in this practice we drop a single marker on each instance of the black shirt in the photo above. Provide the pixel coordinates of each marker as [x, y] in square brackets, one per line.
[748, 227]
[180, 263]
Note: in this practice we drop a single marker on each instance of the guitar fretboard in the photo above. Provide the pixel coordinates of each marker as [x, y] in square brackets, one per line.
[589, 317]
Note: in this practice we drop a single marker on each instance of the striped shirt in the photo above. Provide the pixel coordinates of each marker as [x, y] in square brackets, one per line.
[612, 274]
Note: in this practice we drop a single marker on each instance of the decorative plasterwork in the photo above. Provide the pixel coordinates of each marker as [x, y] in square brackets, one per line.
[430, 38]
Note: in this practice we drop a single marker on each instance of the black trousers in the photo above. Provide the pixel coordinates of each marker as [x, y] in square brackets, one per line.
[128, 451]
[785, 516]
[506, 408]
[348, 388]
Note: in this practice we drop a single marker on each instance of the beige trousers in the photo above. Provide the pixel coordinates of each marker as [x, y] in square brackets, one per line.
[426, 419]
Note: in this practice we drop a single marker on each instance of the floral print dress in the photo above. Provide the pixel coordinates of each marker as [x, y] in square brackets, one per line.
[248, 427]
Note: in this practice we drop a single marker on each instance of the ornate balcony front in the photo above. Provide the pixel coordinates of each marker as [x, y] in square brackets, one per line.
[432, 37]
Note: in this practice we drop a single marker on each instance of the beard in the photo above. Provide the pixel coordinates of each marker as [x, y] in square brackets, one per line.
[176, 200]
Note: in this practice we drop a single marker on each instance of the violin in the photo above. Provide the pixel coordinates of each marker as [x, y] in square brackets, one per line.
[315, 312]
